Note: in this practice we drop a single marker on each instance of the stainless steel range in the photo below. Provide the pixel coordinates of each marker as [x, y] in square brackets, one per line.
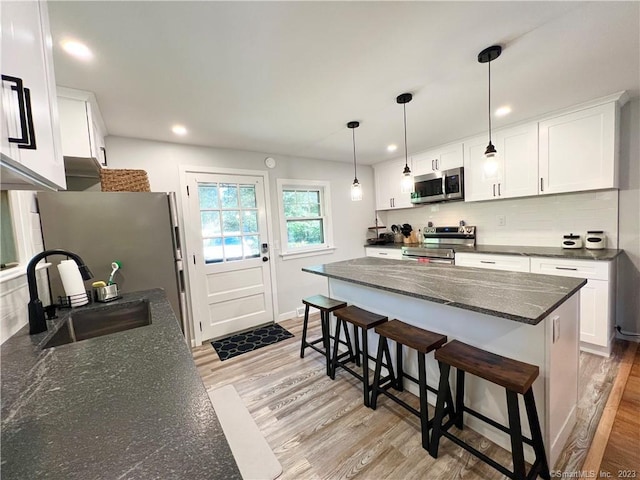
[439, 243]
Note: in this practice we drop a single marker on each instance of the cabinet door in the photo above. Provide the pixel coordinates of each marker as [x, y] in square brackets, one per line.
[518, 148]
[481, 174]
[75, 128]
[26, 55]
[594, 302]
[578, 151]
[438, 159]
[388, 192]
[511, 263]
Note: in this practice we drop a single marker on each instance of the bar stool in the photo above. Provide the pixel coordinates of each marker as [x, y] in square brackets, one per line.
[363, 320]
[516, 377]
[326, 305]
[421, 340]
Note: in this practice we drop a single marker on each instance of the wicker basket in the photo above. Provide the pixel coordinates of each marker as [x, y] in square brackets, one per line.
[124, 180]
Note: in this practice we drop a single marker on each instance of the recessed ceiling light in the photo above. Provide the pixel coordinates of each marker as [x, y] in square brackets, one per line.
[392, 148]
[179, 130]
[77, 49]
[502, 111]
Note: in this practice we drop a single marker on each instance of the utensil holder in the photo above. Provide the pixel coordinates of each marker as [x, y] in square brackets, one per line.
[106, 294]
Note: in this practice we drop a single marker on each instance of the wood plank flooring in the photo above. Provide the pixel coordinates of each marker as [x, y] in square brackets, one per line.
[319, 429]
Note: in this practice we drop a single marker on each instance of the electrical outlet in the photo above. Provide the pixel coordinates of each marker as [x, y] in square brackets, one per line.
[502, 220]
[556, 329]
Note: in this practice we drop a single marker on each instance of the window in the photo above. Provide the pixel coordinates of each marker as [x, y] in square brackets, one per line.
[305, 217]
[8, 253]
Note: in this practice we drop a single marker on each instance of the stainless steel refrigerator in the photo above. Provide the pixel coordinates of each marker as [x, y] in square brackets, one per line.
[140, 230]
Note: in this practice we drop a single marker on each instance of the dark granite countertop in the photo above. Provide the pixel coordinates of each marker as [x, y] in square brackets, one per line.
[565, 253]
[129, 405]
[523, 297]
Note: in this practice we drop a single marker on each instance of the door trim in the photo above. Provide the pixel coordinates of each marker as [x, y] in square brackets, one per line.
[191, 276]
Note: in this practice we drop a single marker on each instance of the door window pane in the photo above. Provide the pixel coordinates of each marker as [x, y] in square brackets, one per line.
[228, 195]
[250, 221]
[210, 223]
[212, 249]
[208, 195]
[233, 248]
[251, 246]
[231, 222]
[247, 196]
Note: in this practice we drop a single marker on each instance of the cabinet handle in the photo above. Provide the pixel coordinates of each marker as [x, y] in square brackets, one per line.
[566, 268]
[27, 130]
[104, 155]
[437, 164]
[541, 184]
[433, 165]
[383, 253]
[498, 189]
[494, 189]
[487, 261]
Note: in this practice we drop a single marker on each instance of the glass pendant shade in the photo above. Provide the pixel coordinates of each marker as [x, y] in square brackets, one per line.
[356, 191]
[356, 188]
[406, 183]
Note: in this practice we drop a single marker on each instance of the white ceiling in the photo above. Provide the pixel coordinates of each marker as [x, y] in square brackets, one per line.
[286, 77]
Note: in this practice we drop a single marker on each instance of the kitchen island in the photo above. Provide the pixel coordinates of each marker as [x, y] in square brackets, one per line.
[527, 317]
[126, 405]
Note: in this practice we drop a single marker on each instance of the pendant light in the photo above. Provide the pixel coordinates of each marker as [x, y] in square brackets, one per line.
[486, 56]
[406, 185]
[356, 188]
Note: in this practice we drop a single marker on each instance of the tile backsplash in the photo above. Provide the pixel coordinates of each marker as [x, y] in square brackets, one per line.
[534, 221]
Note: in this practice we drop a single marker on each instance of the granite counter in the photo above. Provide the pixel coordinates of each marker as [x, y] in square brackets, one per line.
[127, 405]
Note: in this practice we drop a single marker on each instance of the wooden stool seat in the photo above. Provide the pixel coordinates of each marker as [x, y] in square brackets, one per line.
[417, 338]
[365, 321]
[326, 305]
[422, 341]
[506, 372]
[516, 378]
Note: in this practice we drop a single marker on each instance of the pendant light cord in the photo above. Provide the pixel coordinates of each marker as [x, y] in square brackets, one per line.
[406, 161]
[489, 62]
[355, 175]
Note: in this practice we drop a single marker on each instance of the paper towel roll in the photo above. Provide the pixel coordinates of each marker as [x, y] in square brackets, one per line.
[72, 283]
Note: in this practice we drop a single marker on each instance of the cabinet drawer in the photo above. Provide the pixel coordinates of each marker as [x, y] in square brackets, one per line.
[512, 263]
[571, 268]
[393, 253]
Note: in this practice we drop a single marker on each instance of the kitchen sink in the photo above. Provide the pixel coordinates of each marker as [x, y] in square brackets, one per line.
[98, 322]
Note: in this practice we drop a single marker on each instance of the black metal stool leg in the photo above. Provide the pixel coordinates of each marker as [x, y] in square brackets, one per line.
[536, 434]
[515, 430]
[387, 354]
[304, 331]
[459, 399]
[365, 364]
[324, 322]
[400, 375]
[334, 361]
[424, 412]
[443, 386]
[376, 376]
[356, 340]
[347, 336]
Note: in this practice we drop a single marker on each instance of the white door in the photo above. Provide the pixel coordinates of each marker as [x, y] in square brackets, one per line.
[229, 246]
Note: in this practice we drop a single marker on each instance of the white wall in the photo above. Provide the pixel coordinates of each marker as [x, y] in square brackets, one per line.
[350, 219]
[628, 298]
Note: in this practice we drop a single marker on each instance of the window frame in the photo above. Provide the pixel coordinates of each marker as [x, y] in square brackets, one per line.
[324, 187]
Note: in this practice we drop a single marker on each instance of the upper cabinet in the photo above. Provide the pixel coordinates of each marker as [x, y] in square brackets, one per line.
[578, 151]
[513, 172]
[31, 155]
[387, 179]
[437, 160]
[81, 125]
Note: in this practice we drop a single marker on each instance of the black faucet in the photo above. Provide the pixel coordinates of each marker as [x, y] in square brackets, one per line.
[37, 323]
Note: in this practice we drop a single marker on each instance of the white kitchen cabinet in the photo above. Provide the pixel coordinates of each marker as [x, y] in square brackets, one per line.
[392, 253]
[578, 151]
[597, 298]
[438, 159]
[512, 172]
[33, 160]
[387, 179]
[81, 125]
[512, 263]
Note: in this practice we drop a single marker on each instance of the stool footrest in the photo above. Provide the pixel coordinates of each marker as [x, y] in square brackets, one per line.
[385, 392]
[494, 424]
[478, 453]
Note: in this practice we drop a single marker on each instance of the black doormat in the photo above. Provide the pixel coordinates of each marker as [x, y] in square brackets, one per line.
[240, 343]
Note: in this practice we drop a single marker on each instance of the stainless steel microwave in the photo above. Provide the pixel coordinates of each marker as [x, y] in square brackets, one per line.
[439, 186]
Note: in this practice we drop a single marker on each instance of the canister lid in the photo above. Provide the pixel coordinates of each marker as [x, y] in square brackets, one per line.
[595, 231]
[571, 236]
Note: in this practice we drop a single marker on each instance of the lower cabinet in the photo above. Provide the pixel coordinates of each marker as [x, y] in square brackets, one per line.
[512, 263]
[393, 253]
[597, 297]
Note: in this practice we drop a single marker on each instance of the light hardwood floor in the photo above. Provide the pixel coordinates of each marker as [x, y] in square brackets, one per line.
[319, 429]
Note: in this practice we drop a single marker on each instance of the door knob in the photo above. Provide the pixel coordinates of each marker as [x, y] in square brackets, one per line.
[265, 259]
